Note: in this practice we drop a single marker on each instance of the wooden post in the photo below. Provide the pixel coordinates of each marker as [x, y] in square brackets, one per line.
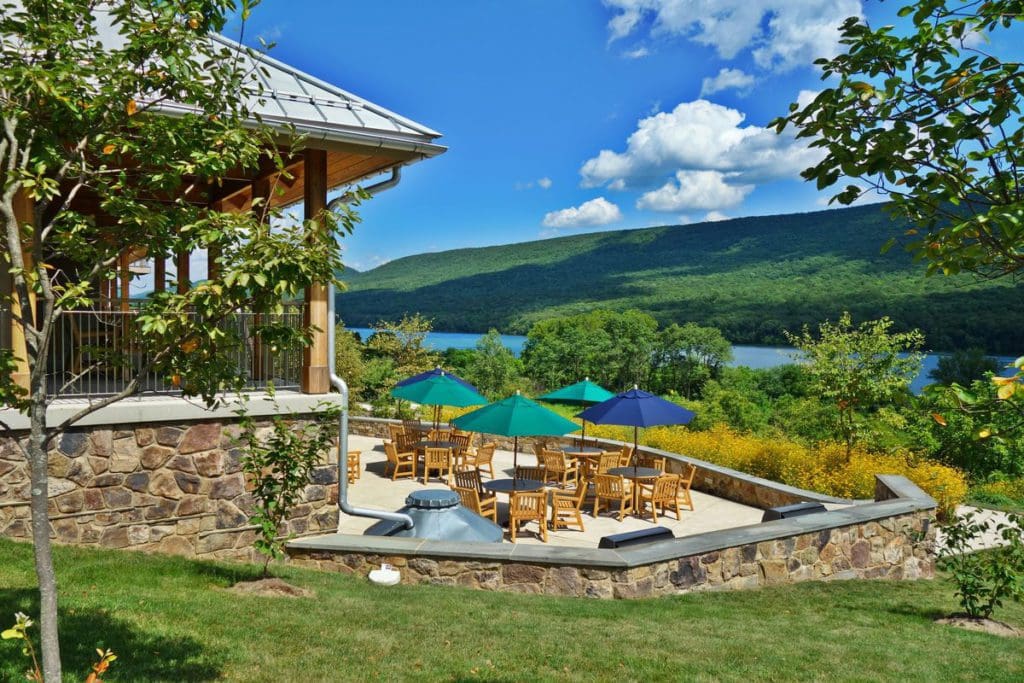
[126, 279]
[183, 272]
[159, 274]
[212, 267]
[260, 190]
[23, 212]
[315, 377]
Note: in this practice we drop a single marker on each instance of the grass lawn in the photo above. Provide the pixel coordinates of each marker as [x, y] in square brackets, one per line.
[171, 619]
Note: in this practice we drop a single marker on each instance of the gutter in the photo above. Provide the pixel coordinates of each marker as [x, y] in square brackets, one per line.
[375, 189]
[339, 384]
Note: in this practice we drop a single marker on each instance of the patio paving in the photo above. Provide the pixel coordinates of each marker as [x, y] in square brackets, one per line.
[375, 491]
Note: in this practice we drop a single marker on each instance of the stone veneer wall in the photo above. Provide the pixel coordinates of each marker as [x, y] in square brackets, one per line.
[175, 488]
[889, 539]
[716, 480]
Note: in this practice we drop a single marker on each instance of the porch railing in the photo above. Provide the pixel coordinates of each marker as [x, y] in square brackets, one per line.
[96, 353]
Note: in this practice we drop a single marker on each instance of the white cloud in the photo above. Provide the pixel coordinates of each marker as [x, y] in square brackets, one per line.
[595, 212]
[715, 216]
[694, 190]
[637, 53]
[699, 136]
[544, 183]
[736, 79]
[780, 34]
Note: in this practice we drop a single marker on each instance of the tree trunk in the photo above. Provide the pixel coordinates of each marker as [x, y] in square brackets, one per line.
[37, 456]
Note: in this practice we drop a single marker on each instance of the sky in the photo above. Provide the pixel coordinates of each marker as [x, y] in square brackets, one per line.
[564, 116]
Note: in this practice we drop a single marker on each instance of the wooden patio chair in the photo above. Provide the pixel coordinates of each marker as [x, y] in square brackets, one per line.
[663, 492]
[527, 507]
[354, 465]
[471, 498]
[625, 455]
[606, 461]
[438, 460]
[482, 458]
[525, 472]
[462, 446]
[557, 467]
[655, 461]
[401, 463]
[538, 450]
[566, 508]
[396, 432]
[413, 428]
[685, 481]
[613, 489]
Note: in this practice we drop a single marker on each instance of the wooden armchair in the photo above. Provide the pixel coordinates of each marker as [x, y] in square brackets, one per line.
[534, 473]
[557, 467]
[396, 432]
[538, 450]
[527, 507]
[655, 461]
[482, 458]
[663, 492]
[462, 446]
[625, 455]
[566, 507]
[354, 466]
[401, 463]
[606, 461]
[685, 481]
[437, 460]
[613, 489]
[471, 498]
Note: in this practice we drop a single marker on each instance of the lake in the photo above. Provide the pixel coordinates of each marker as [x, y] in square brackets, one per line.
[757, 357]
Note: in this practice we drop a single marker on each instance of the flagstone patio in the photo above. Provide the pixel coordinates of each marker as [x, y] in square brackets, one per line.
[374, 490]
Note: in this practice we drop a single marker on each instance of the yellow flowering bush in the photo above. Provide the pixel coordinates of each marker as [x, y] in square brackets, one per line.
[1007, 488]
[823, 468]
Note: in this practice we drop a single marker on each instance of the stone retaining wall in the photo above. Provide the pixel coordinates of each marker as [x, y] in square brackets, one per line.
[889, 539]
[716, 480]
[175, 488]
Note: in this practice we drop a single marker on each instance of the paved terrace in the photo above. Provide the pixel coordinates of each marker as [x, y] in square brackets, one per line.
[374, 490]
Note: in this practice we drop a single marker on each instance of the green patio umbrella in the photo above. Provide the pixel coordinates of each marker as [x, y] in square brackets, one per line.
[582, 394]
[439, 390]
[515, 416]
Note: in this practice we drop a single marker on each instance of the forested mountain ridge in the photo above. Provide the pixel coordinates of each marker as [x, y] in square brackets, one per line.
[752, 277]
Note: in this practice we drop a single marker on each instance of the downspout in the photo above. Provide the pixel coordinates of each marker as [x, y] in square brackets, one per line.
[339, 384]
[372, 190]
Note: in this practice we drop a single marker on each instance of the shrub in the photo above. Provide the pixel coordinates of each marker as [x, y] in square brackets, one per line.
[984, 579]
[823, 467]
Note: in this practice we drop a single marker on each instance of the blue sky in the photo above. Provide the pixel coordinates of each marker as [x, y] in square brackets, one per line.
[569, 116]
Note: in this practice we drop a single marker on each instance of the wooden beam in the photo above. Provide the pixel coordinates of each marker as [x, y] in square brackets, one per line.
[159, 274]
[126, 279]
[182, 275]
[315, 377]
[23, 213]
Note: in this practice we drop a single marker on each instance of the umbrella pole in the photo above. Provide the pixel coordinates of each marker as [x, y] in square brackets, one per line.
[636, 446]
[515, 460]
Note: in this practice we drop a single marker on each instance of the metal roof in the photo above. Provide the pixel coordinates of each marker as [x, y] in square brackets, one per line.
[319, 110]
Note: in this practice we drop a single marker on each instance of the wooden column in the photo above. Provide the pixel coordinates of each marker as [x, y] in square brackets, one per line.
[212, 267]
[126, 279]
[315, 377]
[260, 190]
[183, 272]
[159, 274]
[23, 212]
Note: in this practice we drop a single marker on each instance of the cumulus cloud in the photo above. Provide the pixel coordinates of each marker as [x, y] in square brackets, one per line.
[715, 216]
[544, 183]
[593, 213]
[699, 136]
[726, 79]
[636, 53]
[694, 190]
[780, 34]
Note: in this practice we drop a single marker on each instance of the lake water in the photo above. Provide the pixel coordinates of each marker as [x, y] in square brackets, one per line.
[757, 357]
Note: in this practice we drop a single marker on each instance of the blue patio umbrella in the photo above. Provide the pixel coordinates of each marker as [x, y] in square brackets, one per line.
[434, 373]
[637, 408]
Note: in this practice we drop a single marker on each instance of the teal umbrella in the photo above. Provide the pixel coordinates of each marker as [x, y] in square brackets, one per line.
[582, 393]
[515, 416]
[439, 390]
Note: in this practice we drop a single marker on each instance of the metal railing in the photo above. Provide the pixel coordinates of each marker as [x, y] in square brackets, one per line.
[98, 352]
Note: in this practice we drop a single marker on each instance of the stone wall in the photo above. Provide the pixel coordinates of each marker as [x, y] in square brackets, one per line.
[716, 480]
[894, 547]
[175, 488]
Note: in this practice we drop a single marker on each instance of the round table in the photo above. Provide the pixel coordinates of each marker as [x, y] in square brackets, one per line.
[510, 485]
[436, 444]
[584, 452]
[630, 472]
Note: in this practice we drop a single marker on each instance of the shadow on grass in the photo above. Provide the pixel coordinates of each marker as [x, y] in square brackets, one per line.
[141, 655]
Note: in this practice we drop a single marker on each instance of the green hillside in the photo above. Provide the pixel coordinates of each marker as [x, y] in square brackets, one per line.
[751, 277]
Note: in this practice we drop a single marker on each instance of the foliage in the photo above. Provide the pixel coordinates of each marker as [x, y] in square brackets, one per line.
[824, 467]
[931, 120]
[22, 623]
[493, 369]
[612, 349]
[1002, 492]
[395, 350]
[859, 369]
[738, 276]
[963, 366]
[687, 356]
[984, 579]
[278, 463]
[348, 359]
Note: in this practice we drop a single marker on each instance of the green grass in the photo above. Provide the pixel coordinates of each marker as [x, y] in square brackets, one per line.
[171, 619]
[750, 277]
